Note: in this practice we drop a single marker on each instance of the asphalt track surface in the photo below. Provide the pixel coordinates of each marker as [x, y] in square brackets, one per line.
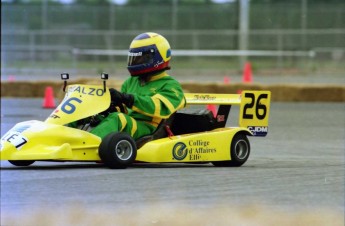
[299, 165]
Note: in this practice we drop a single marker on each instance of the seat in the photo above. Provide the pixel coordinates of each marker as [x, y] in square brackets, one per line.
[161, 131]
[193, 122]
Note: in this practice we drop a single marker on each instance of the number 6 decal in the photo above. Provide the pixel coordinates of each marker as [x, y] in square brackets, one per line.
[259, 106]
[69, 107]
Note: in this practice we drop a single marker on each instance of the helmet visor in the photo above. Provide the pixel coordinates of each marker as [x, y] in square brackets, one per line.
[140, 56]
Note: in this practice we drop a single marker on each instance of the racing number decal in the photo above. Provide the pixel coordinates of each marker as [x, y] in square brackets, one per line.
[16, 139]
[248, 106]
[260, 109]
[69, 107]
[254, 111]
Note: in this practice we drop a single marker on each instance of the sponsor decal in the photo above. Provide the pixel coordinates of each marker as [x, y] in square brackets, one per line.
[199, 147]
[204, 97]
[158, 63]
[194, 149]
[179, 151]
[135, 54]
[258, 130]
[220, 118]
[54, 116]
[89, 91]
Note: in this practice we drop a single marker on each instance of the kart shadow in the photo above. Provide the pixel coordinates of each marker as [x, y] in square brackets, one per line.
[64, 166]
[171, 165]
[53, 166]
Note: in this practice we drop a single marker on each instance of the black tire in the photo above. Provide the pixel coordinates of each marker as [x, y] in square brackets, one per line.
[117, 150]
[239, 150]
[21, 162]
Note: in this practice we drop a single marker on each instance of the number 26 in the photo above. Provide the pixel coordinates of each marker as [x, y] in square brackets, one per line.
[259, 106]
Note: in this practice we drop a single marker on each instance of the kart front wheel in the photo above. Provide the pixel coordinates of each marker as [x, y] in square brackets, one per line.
[21, 162]
[239, 150]
[117, 150]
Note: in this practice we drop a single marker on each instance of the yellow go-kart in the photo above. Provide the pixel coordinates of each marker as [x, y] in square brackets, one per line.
[194, 137]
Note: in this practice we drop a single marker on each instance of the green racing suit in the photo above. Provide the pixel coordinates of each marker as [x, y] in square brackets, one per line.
[154, 100]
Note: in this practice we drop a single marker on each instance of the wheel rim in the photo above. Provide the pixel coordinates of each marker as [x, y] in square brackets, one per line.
[241, 149]
[124, 150]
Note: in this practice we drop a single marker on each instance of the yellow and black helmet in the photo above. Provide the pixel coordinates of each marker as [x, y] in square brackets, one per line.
[149, 53]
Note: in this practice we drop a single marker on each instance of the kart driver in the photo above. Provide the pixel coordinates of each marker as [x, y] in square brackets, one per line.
[149, 95]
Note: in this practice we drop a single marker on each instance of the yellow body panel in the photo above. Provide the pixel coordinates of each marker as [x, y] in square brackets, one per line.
[51, 139]
[197, 147]
[80, 101]
[36, 140]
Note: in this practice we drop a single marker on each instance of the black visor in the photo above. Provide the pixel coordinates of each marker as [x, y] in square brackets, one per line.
[139, 56]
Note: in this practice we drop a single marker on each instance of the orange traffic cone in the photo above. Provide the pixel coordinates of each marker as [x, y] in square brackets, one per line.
[247, 73]
[48, 101]
[212, 108]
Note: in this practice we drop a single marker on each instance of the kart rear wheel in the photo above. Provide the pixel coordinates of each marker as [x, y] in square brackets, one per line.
[240, 150]
[117, 150]
[21, 162]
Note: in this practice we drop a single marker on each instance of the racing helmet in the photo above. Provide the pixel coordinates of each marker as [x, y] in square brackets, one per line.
[148, 54]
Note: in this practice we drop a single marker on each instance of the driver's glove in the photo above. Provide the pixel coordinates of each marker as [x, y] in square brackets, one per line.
[119, 98]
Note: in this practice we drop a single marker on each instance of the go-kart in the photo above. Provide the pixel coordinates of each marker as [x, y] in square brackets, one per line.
[185, 137]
